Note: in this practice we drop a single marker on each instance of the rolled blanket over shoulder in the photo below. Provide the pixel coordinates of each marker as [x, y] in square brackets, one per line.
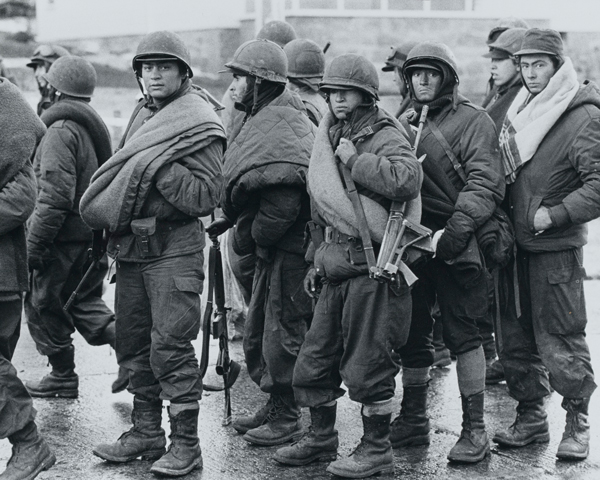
[120, 187]
[330, 198]
[21, 131]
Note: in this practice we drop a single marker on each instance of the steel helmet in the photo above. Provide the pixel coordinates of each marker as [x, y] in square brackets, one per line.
[351, 71]
[72, 75]
[397, 56]
[426, 54]
[305, 59]
[261, 58]
[277, 31]
[162, 45]
[46, 53]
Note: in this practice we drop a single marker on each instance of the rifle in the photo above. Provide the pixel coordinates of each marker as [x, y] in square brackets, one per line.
[217, 106]
[80, 285]
[217, 325]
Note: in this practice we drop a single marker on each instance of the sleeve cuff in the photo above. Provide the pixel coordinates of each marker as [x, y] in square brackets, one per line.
[559, 215]
[351, 161]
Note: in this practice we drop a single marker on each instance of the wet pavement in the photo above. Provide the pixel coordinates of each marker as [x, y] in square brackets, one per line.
[74, 427]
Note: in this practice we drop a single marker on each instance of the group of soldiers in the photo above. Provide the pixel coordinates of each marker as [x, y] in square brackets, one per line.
[310, 175]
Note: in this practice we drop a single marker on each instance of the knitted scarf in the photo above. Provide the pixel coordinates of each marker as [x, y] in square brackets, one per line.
[524, 128]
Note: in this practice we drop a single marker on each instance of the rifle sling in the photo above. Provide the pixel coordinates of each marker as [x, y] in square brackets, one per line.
[448, 149]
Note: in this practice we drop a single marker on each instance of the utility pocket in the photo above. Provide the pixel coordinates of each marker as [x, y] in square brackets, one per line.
[146, 239]
[564, 306]
[183, 312]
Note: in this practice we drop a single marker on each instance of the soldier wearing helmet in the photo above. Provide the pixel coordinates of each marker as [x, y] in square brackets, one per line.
[43, 57]
[357, 321]
[462, 188]
[168, 173]
[394, 64]
[75, 145]
[265, 198]
[306, 64]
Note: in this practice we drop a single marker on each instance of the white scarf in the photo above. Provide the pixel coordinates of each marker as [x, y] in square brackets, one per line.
[522, 132]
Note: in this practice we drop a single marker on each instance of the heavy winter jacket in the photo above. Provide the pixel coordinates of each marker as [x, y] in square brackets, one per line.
[150, 193]
[64, 164]
[315, 104]
[20, 132]
[265, 174]
[472, 137]
[564, 176]
[503, 98]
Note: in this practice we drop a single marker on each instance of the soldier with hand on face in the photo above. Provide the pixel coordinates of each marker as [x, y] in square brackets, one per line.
[41, 61]
[394, 64]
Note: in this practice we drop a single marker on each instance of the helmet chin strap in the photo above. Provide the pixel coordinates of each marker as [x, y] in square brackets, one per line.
[257, 83]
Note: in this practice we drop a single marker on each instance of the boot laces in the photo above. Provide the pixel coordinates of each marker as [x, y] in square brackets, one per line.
[275, 410]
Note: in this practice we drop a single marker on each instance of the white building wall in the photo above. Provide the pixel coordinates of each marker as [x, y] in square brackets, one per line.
[77, 19]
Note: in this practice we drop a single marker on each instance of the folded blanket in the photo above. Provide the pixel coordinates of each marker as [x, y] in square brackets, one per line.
[21, 131]
[329, 196]
[120, 187]
[523, 131]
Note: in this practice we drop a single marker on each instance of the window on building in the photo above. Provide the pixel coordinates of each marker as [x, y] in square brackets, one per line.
[405, 4]
[324, 4]
[362, 4]
[448, 4]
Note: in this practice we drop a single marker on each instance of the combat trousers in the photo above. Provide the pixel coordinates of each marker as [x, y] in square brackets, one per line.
[551, 329]
[16, 407]
[243, 267]
[356, 325]
[157, 305]
[50, 326]
[278, 318]
[460, 311]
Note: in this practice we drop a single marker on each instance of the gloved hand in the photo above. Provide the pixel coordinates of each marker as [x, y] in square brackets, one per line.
[450, 245]
[312, 283]
[218, 227]
[38, 258]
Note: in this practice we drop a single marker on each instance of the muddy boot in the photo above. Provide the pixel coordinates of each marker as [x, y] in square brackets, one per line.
[243, 424]
[281, 425]
[62, 381]
[411, 427]
[319, 444]
[530, 426]
[145, 439]
[30, 455]
[575, 443]
[494, 372]
[473, 444]
[184, 453]
[372, 455]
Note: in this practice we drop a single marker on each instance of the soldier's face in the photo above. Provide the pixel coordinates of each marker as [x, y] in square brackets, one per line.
[537, 70]
[238, 87]
[426, 84]
[40, 69]
[503, 70]
[344, 102]
[161, 79]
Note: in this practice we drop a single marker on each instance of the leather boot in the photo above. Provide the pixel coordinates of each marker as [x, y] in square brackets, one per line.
[494, 372]
[575, 443]
[320, 443]
[372, 455]
[281, 425]
[411, 427]
[62, 381]
[109, 336]
[30, 455]
[248, 422]
[145, 439]
[473, 444]
[184, 453]
[530, 426]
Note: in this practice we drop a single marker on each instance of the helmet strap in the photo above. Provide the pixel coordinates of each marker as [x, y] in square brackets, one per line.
[257, 83]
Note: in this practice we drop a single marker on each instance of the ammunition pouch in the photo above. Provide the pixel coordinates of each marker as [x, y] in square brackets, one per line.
[144, 230]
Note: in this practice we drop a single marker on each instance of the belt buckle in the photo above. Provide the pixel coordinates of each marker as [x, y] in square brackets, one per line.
[328, 235]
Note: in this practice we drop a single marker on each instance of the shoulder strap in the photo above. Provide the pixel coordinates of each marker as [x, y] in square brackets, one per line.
[371, 130]
[448, 149]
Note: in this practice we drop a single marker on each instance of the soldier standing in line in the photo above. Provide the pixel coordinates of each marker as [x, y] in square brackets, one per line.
[357, 321]
[306, 64]
[463, 160]
[58, 242]
[150, 195]
[265, 197]
[41, 61]
[394, 63]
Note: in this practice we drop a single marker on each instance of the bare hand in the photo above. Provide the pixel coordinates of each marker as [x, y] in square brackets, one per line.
[345, 150]
[542, 220]
[312, 282]
[218, 227]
